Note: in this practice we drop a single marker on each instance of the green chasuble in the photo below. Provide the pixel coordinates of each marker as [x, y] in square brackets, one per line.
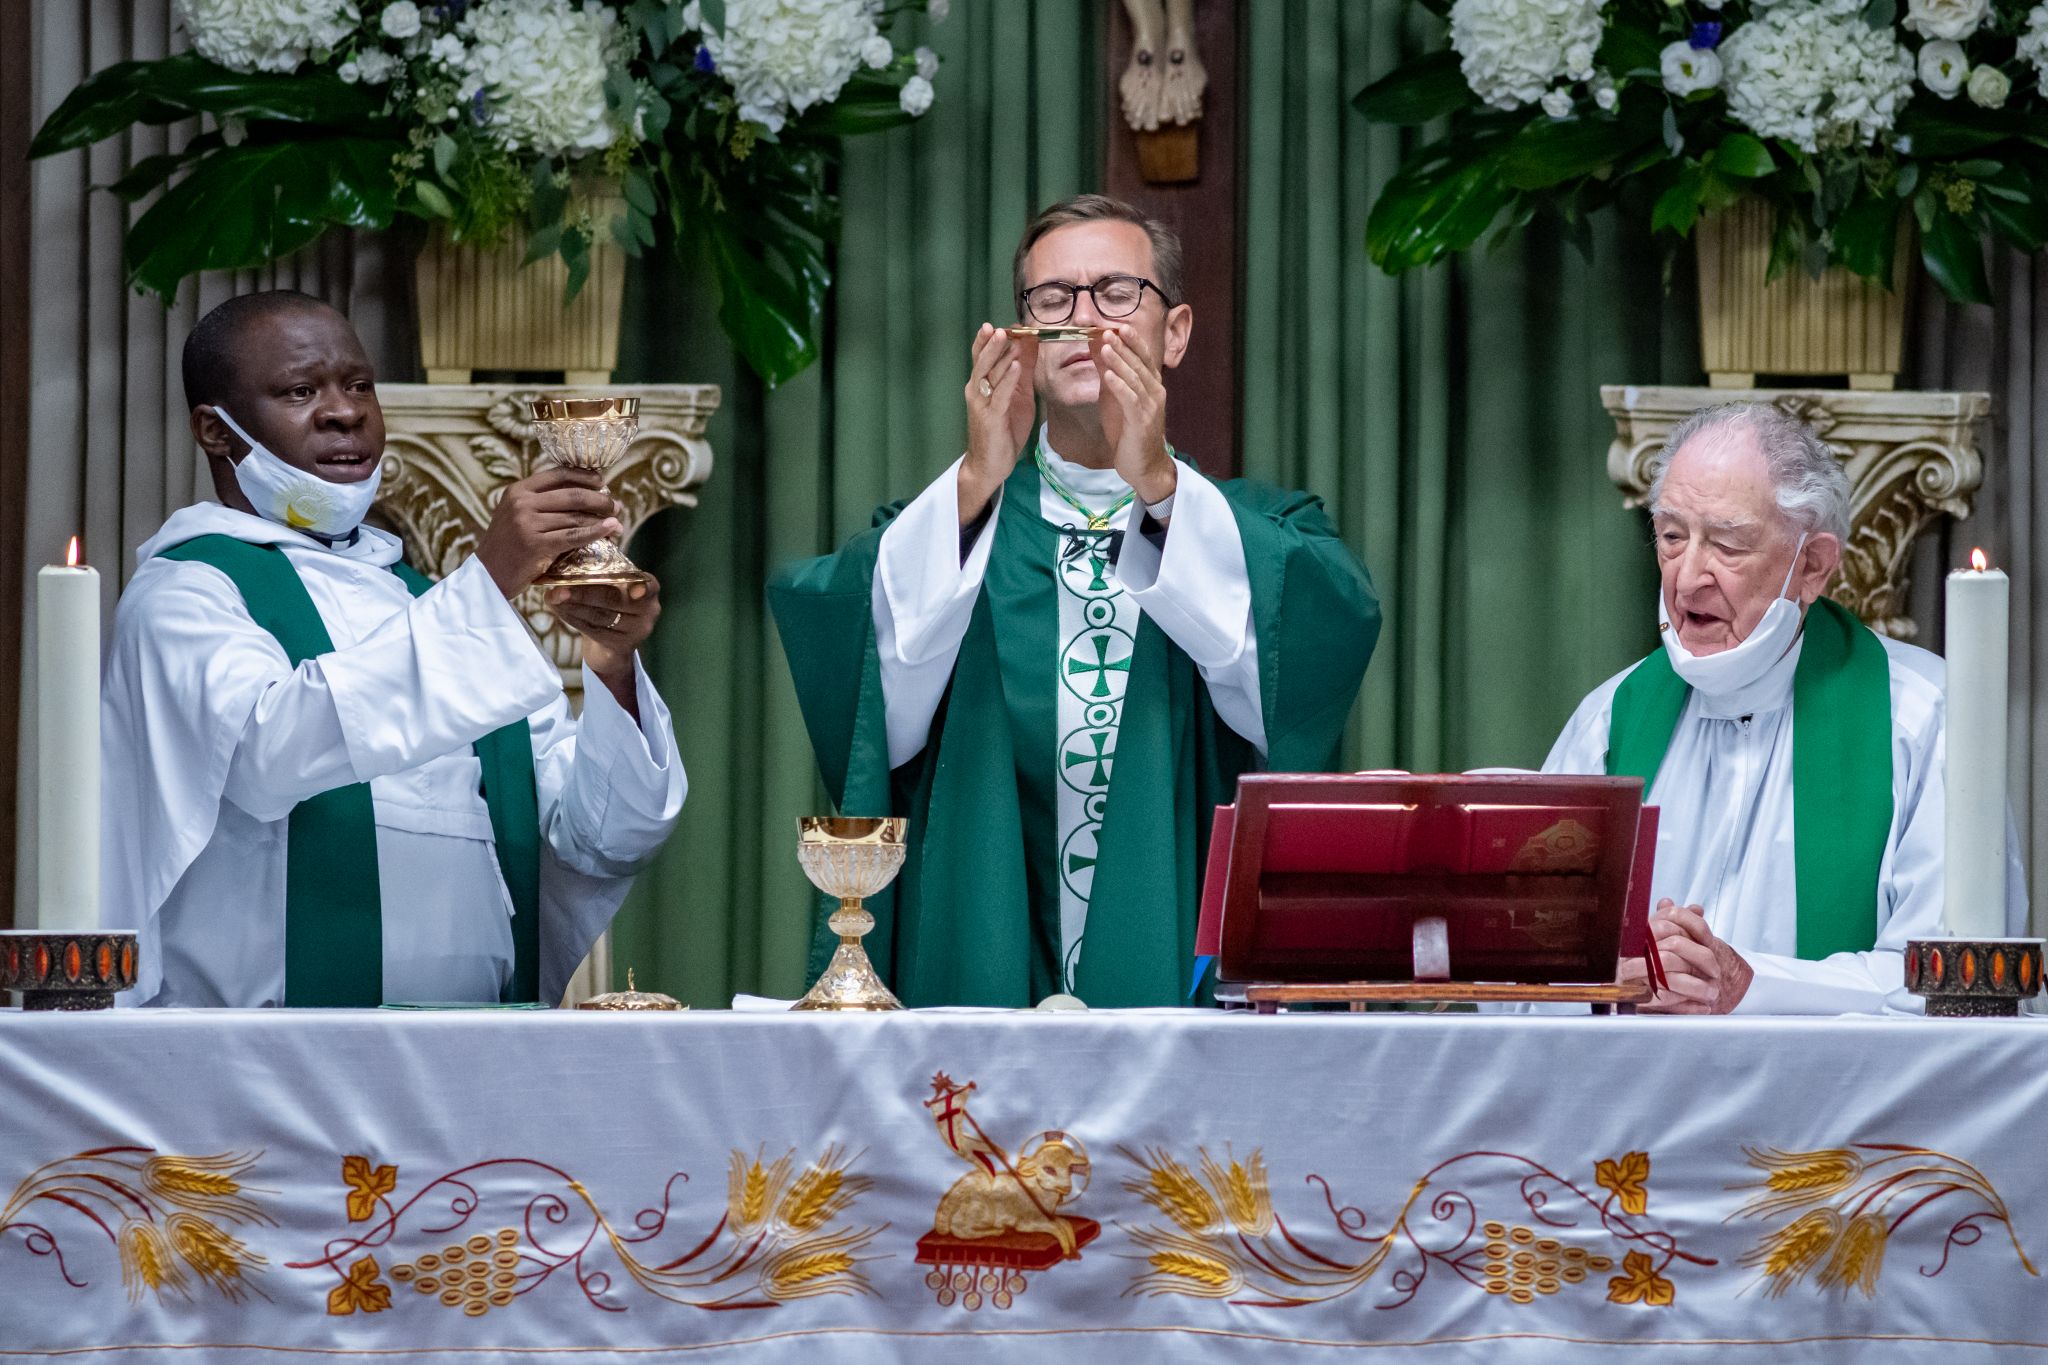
[974, 917]
[1841, 768]
[334, 917]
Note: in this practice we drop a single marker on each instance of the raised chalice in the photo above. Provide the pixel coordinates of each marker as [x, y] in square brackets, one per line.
[851, 857]
[587, 433]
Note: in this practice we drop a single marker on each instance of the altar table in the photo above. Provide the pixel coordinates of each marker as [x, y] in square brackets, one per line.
[480, 1186]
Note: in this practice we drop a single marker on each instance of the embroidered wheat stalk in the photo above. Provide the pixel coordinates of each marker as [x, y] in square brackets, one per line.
[204, 1184]
[805, 1269]
[1787, 1254]
[1858, 1257]
[1172, 1189]
[1201, 1269]
[1792, 1179]
[146, 1261]
[1244, 1193]
[810, 1199]
[751, 1188]
[215, 1255]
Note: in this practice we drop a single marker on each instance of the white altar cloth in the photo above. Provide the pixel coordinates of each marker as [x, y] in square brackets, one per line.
[487, 1186]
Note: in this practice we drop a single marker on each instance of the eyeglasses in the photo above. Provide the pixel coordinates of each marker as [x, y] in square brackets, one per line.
[1114, 296]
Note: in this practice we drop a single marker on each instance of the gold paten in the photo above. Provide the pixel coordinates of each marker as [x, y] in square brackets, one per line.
[851, 857]
[587, 433]
[631, 999]
[1063, 333]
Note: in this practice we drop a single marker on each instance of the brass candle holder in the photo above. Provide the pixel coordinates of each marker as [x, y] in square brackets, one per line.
[587, 433]
[850, 857]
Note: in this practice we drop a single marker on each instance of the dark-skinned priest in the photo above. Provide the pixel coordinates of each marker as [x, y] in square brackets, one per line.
[1057, 659]
[328, 781]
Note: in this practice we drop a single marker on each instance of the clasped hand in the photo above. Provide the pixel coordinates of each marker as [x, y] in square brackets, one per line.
[1702, 973]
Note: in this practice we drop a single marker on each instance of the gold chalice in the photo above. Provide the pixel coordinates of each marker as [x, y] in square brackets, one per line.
[851, 858]
[587, 433]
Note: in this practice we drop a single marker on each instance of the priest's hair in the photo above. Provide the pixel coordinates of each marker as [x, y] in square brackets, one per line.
[1813, 489]
[1100, 208]
[209, 358]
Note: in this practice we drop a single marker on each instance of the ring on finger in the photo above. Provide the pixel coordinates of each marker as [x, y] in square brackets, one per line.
[987, 389]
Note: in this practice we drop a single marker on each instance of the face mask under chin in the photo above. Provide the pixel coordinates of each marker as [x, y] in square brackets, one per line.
[294, 498]
[1743, 663]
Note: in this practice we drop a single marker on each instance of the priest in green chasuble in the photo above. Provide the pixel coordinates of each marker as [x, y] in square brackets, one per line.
[1796, 755]
[1058, 658]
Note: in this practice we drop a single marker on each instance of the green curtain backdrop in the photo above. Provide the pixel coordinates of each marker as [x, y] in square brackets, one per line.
[1451, 419]
[931, 213]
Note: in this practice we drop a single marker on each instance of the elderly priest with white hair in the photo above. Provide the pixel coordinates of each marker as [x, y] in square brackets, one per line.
[1796, 755]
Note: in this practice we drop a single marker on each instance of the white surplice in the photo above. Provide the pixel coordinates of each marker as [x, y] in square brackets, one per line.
[211, 738]
[1725, 832]
[1193, 584]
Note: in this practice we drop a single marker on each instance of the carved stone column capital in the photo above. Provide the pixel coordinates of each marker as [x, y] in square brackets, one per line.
[450, 450]
[1910, 457]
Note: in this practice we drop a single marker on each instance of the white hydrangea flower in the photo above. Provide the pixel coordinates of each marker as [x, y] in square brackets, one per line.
[1604, 94]
[927, 62]
[877, 53]
[541, 65]
[1687, 68]
[371, 66]
[2033, 48]
[265, 35]
[783, 56]
[1943, 67]
[448, 50]
[1988, 87]
[1816, 75]
[916, 96]
[1511, 51]
[1954, 20]
[401, 19]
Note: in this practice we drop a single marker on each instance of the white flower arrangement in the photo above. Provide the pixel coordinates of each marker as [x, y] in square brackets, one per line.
[540, 66]
[1687, 68]
[1953, 20]
[1816, 75]
[266, 35]
[781, 57]
[1513, 51]
[2033, 45]
[1943, 67]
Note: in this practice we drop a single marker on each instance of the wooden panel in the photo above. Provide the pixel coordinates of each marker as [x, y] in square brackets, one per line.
[15, 113]
[1202, 395]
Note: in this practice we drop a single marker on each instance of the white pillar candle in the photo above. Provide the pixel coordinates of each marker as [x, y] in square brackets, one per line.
[68, 746]
[1979, 630]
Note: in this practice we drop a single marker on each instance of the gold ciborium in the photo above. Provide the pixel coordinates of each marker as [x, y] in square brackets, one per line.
[587, 433]
[851, 858]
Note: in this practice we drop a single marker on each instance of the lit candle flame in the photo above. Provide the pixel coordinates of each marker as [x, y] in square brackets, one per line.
[71, 554]
[1978, 561]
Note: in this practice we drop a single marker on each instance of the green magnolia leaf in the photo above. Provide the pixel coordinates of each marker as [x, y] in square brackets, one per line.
[152, 171]
[1881, 14]
[1743, 157]
[1977, 169]
[870, 102]
[173, 88]
[1909, 176]
[1440, 201]
[1953, 253]
[542, 243]
[444, 156]
[654, 117]
[714, 15]
[433, 199]
[1866, 236]
[1549, 151]
[245, 206]
[639, 193]
[1678, 208]
[623, 234]
[1416, 92]
[1957, 128]
[549, 198]
[1629, 48]
[2015, 209]
[575, 255]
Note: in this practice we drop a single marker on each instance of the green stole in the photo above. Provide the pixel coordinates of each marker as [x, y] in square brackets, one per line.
[334, 915]
[1841, 768]
[973, 918]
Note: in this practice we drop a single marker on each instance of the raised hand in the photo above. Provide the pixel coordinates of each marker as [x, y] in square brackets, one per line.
[1133, 408]
[1000, 406]
[539, 518]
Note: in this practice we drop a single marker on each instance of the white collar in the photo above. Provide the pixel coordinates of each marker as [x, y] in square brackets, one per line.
[1771, 692]
[1085, 480]
[371, 546]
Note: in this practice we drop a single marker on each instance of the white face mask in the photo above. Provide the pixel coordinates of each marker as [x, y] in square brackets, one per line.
[292, 497]
[1731, 670]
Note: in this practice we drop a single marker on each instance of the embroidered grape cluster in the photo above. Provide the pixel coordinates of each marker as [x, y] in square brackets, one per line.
[1522, 1265]
[475, 1276]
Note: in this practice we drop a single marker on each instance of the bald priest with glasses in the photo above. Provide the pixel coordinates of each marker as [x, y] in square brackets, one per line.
[1058, 657]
